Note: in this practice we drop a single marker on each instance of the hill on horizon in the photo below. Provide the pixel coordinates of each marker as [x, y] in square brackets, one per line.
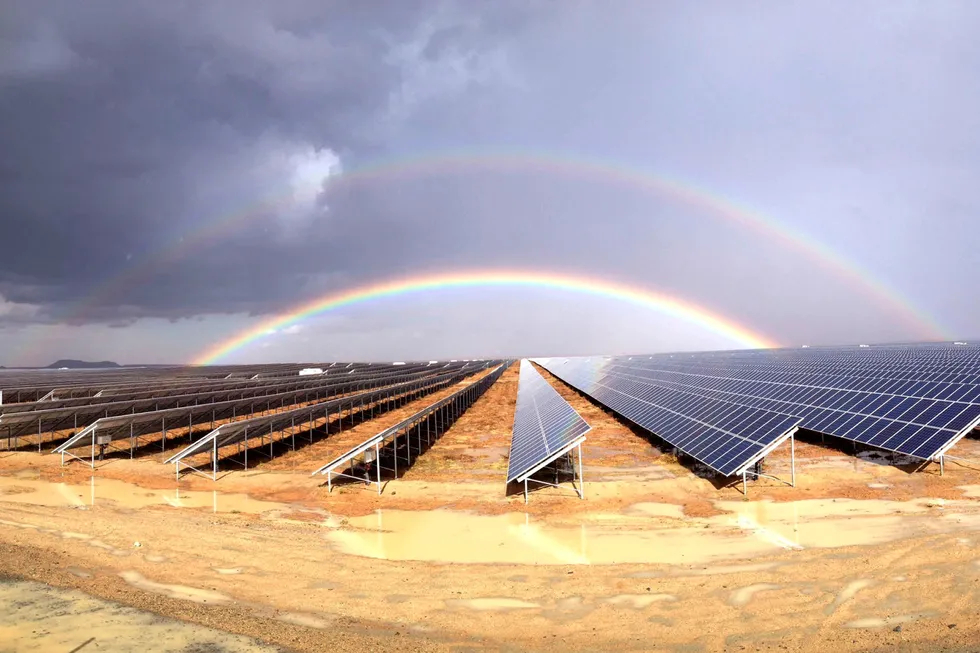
[73, 364]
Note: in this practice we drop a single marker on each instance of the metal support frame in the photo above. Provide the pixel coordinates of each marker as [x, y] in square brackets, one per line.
[792, 466]
[940, 457]
[579, 489]
[90, 463]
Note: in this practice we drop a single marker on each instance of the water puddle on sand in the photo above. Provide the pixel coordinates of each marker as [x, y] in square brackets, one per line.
[39, 618]
[638, 601]
[305, 619]
[647, 532]
[491, 604]
[825, 523]
[125, 495]
[181, 592]
[848, 593]
[446, 536]
[882, 622]
[742, 596]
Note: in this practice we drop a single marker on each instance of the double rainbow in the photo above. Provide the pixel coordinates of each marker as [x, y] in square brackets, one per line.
[665, 304]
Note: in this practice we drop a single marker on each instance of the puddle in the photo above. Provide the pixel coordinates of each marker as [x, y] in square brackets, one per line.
[825, 523]
[78, 571]
[398, 598]
[305, 619]
[882, 622]
[639, 601]
[75, 536]
[182, 592]
[568, 610]
[749, 529]
[848, 593]
[742, 596]
[443, 535]
[37, 618]
[125, 495]
[491, 604]
[970, 491]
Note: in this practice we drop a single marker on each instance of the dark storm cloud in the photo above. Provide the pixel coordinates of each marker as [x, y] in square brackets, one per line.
[129, 126]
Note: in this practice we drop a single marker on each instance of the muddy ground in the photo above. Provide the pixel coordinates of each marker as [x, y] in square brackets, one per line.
[866, 553]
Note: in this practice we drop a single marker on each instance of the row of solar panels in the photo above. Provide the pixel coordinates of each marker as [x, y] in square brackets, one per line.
[235, 432]
[729, 411]
[130, 425]
[545, 426]
[98, 383]
[18, 420]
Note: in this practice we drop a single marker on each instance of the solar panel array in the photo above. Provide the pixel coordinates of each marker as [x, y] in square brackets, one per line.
[413, 386]
[18, 420]
[545, 426]
[130, 426]
[48, 387]
[914, 400]
[725, 436]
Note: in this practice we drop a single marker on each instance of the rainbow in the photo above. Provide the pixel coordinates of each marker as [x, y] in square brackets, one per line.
[145, 267]
[662, 303]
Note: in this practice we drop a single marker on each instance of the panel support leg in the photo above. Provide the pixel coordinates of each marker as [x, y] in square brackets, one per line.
[942, 464]
[792, 459]
[581, 481]
[377, 461]
[745, 487]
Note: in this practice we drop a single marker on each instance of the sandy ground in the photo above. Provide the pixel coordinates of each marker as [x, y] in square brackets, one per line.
[864, 554]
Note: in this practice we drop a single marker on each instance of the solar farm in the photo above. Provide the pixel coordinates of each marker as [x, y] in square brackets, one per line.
[725, 412]
[586, 492]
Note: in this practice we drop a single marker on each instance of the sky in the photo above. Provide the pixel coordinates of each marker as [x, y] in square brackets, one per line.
[172, 173]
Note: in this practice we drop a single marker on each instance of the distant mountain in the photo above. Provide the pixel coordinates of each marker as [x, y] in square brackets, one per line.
[80, 365]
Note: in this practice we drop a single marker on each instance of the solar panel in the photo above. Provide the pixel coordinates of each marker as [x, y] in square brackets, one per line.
[545, 426]
[916, 400]
[727, 437]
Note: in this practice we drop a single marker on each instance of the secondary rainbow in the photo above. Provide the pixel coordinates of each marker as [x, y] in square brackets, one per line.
[662, 303]
[709, 202]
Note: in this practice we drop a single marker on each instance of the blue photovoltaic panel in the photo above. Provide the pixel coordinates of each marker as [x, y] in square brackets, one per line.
[725, 436]
[544, 425]
[916, 400]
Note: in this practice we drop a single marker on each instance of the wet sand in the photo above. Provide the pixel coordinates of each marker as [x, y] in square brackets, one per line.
[862, 555]
[40, 618]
